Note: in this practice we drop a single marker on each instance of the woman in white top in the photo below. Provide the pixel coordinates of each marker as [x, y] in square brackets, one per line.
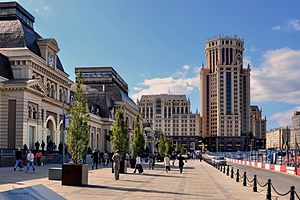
[167, 163]
[138, 165]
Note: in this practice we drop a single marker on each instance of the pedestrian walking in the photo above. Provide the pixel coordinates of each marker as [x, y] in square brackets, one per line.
[30, 161]
[43, 146]
[105, 157]
[167, 163]
[37, 145]
[200, 157]
[19, 164]
[138, 165]
[116, 160]
[181, 163]
[38, 157]
[95, 156]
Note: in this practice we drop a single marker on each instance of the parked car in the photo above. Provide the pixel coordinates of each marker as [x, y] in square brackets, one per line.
[219, 160]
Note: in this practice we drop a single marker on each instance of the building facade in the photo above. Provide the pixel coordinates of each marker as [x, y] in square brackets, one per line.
[295, 130]
[278, 138]
[225, 95]
[34, 85]
[258, 127]
[171, 115]
[106, 91]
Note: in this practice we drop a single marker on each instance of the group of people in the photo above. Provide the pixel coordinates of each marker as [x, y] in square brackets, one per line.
[180, 158]
[30, 158]
[98, 158]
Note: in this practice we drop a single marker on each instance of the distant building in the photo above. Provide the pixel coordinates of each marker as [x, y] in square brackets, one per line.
[278, 138]
[295, 130]
[106, 91]
[225, 95]
[171, 115]
[258, 127]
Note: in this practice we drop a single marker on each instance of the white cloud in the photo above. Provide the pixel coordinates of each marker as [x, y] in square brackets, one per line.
[294, 24]
[284, 118]
[186, 67]
[276, 28]
[277, 78]
[177, 84]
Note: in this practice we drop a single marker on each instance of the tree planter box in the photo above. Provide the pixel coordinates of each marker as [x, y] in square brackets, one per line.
[74, 175]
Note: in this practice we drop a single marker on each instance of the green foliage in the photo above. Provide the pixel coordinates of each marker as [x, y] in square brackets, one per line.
[181, 149]
[138, 140]
[165, 145]
[119, 137]
[78, 131]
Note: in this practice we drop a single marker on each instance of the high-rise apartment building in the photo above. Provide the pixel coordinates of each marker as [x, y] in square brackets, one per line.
[258, 127]
[172, 116]
[225, 95]
[277, 138]
[295, 130]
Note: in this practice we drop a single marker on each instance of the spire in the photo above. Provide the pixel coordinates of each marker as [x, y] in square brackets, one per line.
[202, 65]
[248, 66]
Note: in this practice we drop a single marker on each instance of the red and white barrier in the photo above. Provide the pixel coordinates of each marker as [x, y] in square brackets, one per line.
[253, 164]
[280, 168]
[269, 166]
[297, 171]
[291, 170]
[248, 163]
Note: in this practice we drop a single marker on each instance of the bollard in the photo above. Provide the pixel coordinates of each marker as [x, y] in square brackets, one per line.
[237, 175]
[220, 168]
[224, 168]
[254, 184]
[292, 196]
[231, 172]
[269, 189]
[245, 179]
[227, 170]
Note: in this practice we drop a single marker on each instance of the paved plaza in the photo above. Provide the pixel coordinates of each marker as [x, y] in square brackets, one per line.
[199, 181]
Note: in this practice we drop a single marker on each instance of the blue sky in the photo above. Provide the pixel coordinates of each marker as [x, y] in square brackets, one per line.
[158, 46]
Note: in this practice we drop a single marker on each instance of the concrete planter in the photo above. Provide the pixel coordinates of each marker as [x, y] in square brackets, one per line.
[74, 175]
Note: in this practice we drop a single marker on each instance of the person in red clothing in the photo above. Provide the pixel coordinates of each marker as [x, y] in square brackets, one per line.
[38, 157]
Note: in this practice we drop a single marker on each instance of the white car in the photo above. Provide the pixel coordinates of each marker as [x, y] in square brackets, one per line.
[218, 160]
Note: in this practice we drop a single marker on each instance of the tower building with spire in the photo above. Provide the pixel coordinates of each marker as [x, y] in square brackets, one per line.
[225, 95]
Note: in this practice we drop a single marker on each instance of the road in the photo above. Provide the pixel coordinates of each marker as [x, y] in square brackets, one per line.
[281, 181]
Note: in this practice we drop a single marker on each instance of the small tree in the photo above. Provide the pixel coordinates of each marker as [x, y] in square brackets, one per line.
[119, 137]
[78, 131]
[161, 145]
[165, 145]
[138, 140]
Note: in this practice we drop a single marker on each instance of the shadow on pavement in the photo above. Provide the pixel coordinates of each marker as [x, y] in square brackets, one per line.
[157, 175]
[136, 190]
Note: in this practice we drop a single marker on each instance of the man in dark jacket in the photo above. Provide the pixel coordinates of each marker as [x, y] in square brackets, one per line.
[37, 145]
[95, 158]
[43, 146]
[18, 159]
[181, 162]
